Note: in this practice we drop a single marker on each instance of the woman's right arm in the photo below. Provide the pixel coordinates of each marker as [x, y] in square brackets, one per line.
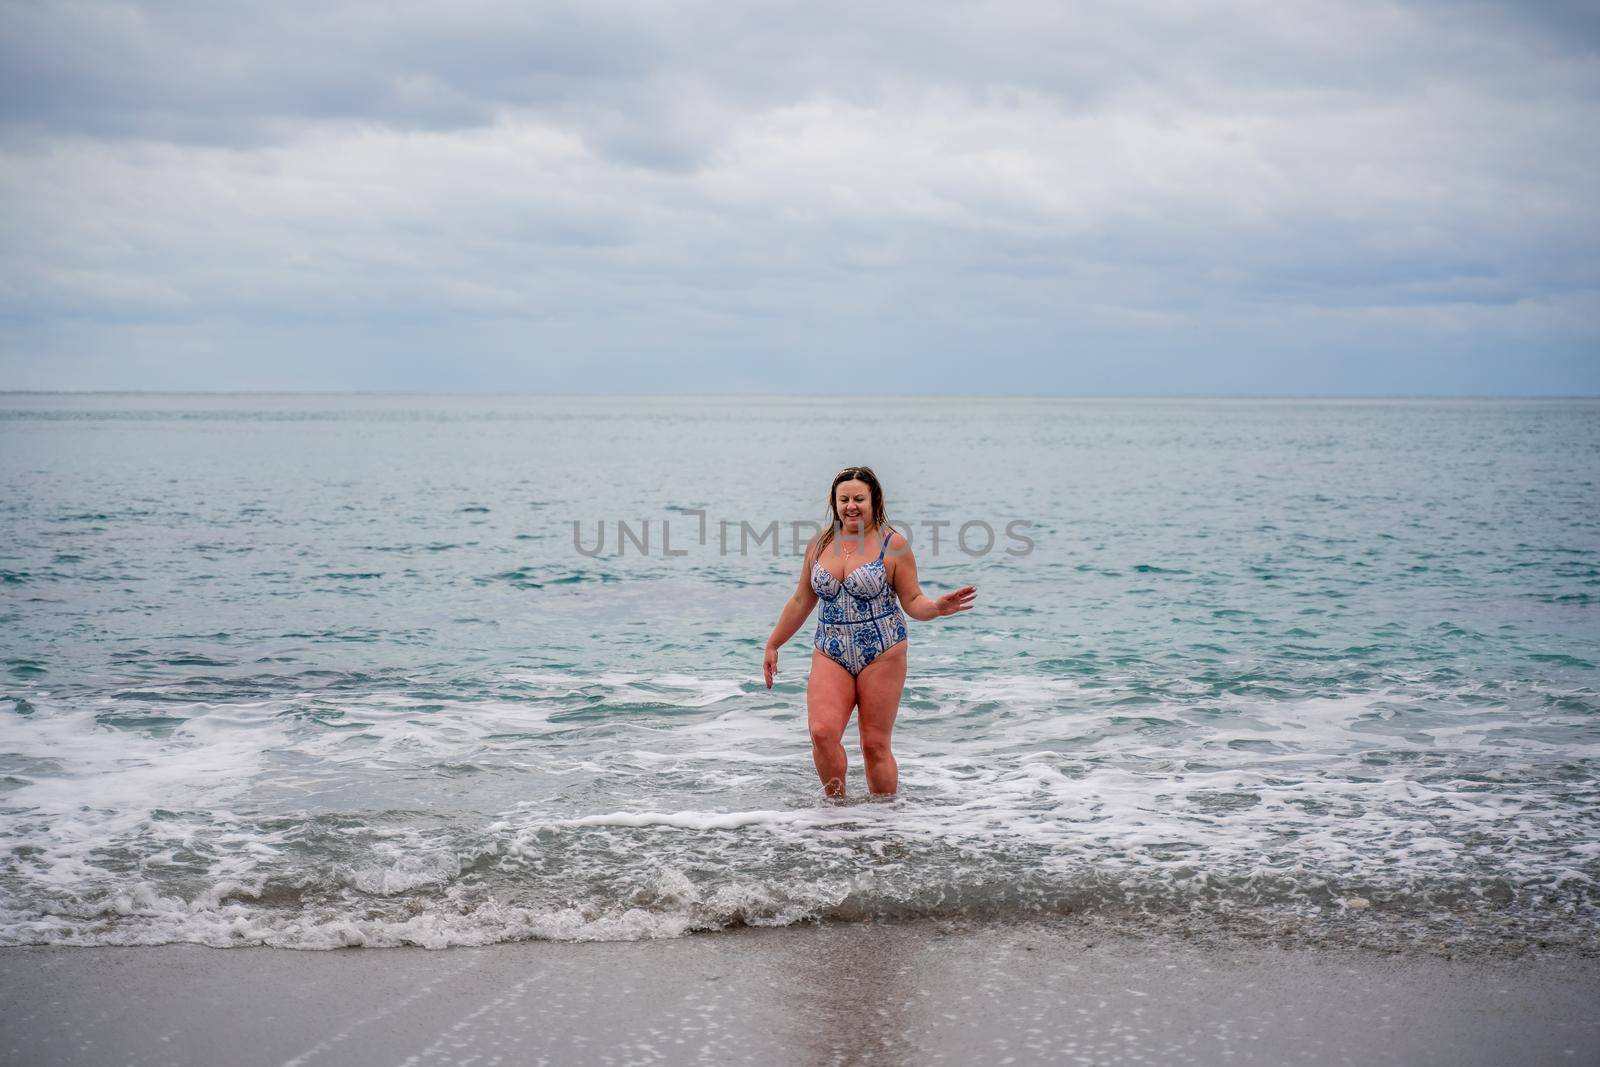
[795, 611]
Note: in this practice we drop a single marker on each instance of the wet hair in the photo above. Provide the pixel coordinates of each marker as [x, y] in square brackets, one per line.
[831, 514]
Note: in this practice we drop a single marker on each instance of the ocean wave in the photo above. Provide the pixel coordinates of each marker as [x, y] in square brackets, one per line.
[421, 904]
[377, 808]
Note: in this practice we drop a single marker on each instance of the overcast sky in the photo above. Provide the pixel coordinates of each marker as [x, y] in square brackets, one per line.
[1053, 197]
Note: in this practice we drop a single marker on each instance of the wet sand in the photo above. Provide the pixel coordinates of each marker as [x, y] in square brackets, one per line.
[914, 993]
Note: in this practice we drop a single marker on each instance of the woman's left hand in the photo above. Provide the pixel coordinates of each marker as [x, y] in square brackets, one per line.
[960, 600]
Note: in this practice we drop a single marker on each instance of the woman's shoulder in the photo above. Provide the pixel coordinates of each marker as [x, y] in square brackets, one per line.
[895, 544]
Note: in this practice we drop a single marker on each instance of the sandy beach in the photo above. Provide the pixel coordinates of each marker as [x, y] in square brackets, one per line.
[844, 993]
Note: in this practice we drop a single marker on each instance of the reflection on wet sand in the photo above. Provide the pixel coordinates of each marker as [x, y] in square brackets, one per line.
[854, 999]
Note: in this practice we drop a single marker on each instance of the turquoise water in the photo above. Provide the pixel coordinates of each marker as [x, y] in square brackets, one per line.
[324, 670]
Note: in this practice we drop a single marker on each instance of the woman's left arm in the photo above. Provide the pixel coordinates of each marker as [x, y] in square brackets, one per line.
[920, 605]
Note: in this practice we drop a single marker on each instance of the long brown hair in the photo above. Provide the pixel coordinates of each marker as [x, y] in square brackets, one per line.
[879, 514]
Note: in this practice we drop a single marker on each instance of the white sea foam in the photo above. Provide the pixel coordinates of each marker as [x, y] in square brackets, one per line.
[1164, 804]
[685, 820]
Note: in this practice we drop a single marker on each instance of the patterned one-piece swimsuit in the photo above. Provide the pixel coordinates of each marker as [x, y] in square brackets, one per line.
[861, 617]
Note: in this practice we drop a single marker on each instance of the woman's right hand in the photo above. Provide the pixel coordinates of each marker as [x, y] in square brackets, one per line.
[769, 666]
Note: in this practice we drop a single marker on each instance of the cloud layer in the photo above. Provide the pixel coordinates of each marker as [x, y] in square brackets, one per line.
[996, 198]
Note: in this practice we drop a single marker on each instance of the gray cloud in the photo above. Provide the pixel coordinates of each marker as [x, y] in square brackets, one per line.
[999, 197]
[231, 74]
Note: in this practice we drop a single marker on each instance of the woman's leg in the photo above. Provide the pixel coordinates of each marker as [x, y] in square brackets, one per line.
[878, 689]
[830, 697]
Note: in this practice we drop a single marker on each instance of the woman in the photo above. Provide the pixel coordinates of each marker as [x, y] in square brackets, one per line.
[859, 652]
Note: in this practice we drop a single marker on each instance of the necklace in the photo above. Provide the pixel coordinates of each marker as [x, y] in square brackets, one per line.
[847, 544]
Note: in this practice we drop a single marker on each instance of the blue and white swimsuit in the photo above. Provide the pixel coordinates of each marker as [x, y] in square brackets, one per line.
[861, 617]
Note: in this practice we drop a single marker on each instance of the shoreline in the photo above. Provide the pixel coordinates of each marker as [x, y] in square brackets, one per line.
[885, 993]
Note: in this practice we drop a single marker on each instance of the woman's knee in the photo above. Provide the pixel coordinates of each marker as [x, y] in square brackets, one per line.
[826, 736]
[875, 746]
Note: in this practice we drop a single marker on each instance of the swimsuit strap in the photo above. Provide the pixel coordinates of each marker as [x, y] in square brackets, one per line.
[883, 545]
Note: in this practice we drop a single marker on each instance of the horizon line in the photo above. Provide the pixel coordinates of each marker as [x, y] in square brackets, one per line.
[798, 396]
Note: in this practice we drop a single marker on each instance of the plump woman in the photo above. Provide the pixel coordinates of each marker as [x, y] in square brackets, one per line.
[859, 651]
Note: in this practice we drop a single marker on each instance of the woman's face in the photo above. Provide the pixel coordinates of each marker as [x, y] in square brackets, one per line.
[853, 502]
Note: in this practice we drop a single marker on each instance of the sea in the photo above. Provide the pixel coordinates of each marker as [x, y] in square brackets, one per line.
[317, 671]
